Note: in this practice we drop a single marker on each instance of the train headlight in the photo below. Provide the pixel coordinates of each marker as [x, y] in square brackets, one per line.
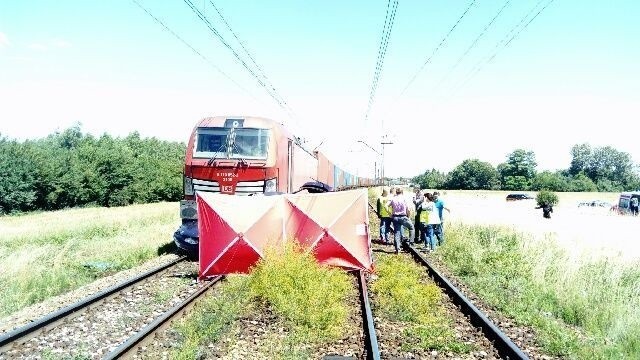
[188, 186]
[271, 185]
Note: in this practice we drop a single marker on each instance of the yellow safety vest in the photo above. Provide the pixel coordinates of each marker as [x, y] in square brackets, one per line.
[385, 206]
[424, 216]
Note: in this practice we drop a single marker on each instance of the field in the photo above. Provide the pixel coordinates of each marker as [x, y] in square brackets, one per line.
[47, 254]
[585, 232]
[574, 278]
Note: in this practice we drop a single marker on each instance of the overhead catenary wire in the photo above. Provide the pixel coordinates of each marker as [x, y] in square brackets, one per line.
[242, 45]
[502, 44]
[392, 7]
[435, 51]
[472, 45]
[271, 91]
[198, 53]
[251, 57]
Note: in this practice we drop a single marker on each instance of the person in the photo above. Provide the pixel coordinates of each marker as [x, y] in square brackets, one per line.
[547, 209]
[439, 228]
[383, 209]
[418, 198]
[400, 217]
[429, 221]
[633, 206]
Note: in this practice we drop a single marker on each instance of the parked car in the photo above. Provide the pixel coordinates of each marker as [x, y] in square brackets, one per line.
[514, 197]
[595, 203]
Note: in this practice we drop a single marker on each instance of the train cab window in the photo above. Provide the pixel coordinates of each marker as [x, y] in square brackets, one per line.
[249, 143]
[211, 140]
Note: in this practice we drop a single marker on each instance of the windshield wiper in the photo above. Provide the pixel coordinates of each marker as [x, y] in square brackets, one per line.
[241, 160]
[215, 157]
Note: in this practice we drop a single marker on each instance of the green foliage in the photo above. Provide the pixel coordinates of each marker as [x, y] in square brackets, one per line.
[515, 183]
[400, 295]
[17, 178]
[397, 288]
[607, 185]
[431, 179]
[588, 310]
[212, 318]
[591, 169]
[580, 158]
[548, 180]
[547, 197]
[519, 170]
[605, 166]
[581, 183]
[310, 296]
[473, 174]
[49, 253]
[69, 169]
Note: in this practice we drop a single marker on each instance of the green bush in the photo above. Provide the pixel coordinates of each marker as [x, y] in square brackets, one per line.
[547, 197]
[311, 297]
[72, 169]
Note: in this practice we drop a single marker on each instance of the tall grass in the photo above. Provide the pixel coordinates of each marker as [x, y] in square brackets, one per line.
[212, 318]
[400, 295]
[308, 298]
[580, 308]
[47, 254]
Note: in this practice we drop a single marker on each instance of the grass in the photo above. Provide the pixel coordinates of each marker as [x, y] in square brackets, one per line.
[47, 254]
[401, 296]
[212, 318]
[308, 298]
[580, 309]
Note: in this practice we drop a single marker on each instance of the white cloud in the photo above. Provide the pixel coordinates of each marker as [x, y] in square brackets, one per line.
[4, 40]
[37, 47]
[60, 43]
[51, 44]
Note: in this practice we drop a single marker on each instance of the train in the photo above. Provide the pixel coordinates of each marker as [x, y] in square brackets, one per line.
[246, 155]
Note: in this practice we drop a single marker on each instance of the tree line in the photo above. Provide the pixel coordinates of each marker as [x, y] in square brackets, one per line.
[71, 169]
[591, 169]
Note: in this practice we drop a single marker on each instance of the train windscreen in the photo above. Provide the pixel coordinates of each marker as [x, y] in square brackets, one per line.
[248, 143]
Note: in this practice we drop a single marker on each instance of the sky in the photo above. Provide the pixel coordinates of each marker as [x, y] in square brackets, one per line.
[570, 76]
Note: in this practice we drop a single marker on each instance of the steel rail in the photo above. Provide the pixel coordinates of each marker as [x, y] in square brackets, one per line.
[48, 321]
[138, 339]
[371, 342]
[506, 348]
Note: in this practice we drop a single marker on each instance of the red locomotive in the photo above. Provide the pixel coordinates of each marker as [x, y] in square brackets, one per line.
[240, 155]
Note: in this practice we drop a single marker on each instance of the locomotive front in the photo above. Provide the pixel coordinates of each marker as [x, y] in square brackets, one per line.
[234, 156]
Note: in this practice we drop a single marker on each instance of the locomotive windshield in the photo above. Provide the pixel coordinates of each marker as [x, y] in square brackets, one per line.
[248, 143]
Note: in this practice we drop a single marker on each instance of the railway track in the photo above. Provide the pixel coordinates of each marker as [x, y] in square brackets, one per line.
[37, 338]
[262, 329]
[504, 346]
[97, 324]
[68, 332]
[131, 346]
[372, 351]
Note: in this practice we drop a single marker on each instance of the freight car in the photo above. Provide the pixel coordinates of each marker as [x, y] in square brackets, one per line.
[240, 155]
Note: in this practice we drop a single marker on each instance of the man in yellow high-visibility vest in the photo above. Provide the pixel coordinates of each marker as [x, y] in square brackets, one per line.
[384, 214]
